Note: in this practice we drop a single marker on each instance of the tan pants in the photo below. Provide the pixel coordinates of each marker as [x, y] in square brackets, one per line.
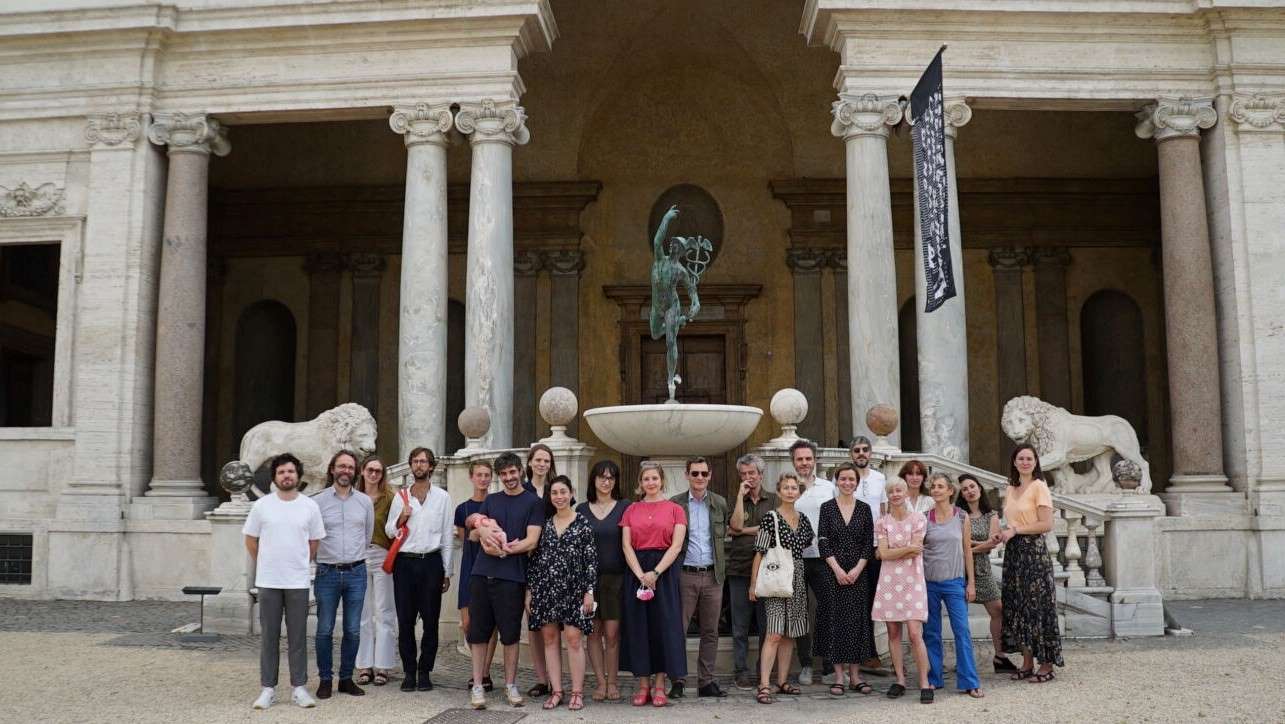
[703, 594]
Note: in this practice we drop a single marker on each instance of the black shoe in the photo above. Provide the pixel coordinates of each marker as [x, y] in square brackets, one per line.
[895, 691]
[408, 683]
[346, 686]
[425, 683]
[676, 691]
[711, 689]
[487, 684]
[323, 689]
[925, 696]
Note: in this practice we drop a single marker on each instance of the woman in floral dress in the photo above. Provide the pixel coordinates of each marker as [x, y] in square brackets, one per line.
[901, 599]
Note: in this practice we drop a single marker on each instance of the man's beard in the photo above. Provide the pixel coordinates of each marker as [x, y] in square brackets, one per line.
[419, 477]
[861, 462]
[293, 484]
[343, 481]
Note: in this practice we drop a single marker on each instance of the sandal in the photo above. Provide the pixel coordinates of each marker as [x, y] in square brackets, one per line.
[896, 690]
[659, 699]
[554, 699]
[381, 678]
[1002, 664]
[975, 693]
[788, 689]
[1022, 674]
[540, 689]
[764, 695]
[642, 697]
[926, 696]
[837, 689]
[577, 701]
[862, 688]
[1042, 678]
[363, 678]
[613, 692]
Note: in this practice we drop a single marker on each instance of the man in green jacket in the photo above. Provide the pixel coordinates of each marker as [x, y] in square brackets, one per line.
[704, 564]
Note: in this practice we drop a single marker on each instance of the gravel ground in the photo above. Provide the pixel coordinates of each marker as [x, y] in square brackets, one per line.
[1232, 669]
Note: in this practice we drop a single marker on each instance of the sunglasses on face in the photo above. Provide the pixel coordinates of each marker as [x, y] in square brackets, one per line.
[699, 473]
[860, 449]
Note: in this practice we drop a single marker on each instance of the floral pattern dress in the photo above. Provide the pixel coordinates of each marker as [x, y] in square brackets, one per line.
[563, 570]
[901, 594]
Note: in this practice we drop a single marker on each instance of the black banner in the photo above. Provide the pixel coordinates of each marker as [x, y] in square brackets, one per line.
[932, 184]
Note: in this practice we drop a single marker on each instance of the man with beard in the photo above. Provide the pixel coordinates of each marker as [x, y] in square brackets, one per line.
[349, 517]
[870, 490]
[421, 571]
[282, 533]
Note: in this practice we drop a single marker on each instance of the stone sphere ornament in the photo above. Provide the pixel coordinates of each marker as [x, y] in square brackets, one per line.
[558, 406]
[474, 422]
[789, 406]
[882, 419]
[236, 477]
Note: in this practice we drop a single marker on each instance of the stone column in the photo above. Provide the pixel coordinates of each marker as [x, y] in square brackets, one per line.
[809, 368]
[942, 335]
[218, 272]
[367, 272]
[564, 267]
[838, 261]
[324, 271]
[180, 313]
[422, 319]
[1051, 324]
[1195, 399]
[1010, 335]
[493, 129]
[526, 268]
[863, 123]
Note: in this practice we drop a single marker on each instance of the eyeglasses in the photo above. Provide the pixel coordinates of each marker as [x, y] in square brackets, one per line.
[860, 449]
[699, 473]
[608, 478]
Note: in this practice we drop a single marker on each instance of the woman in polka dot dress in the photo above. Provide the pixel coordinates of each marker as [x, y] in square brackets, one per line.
[901, 597]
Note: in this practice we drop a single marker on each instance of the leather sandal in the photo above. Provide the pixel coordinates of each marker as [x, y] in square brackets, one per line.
[659, 699]
[896, 690]
[381, 678]
[1022, 674]
[642, 697]
[364, 678]
[788, 689]
[576, 703]
[554, 699]
[764, 695]
[539, 690]
[975, 693]
[837, 689]
[1042, 678]
[613, 692]
[862, 688]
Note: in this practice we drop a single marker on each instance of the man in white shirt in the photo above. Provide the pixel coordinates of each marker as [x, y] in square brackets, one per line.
[871, 490]
[817, 490]
[282, 533]
[421, 571]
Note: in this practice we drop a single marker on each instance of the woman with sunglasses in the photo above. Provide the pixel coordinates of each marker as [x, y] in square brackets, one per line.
[604, 510]
[377, 650]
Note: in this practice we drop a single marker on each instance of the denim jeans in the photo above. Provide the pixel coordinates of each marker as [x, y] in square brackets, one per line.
[330, 586]
[953, 594]
[742, 608]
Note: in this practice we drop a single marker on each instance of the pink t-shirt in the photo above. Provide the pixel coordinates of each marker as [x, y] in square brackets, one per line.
[651, 525]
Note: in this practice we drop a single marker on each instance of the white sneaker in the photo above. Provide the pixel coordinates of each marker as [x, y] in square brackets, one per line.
[515, 696]
[805, 676]
[477, 697]
[266, 698]
[303, 698]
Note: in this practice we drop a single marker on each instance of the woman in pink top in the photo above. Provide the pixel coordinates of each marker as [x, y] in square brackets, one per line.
[653, 641]
[901, 597]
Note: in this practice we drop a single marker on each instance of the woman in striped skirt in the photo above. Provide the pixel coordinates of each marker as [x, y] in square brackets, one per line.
[787, 618]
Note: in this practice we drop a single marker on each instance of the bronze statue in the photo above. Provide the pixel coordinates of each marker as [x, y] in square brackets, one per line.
[683, 262]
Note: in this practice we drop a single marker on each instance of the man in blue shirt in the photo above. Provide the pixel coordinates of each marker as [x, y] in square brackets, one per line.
[703, 567]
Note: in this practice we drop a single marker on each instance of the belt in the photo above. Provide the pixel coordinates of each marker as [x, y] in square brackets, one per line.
[404, 554]
[697, 569]
[345, 566]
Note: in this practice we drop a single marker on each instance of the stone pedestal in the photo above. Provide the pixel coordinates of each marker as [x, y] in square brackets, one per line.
[863, 123]
[422, 320]
[493, 129]
[230, 568]
[1130, 554]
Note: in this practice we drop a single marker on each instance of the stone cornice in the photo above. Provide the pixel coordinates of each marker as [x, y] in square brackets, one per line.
[113, 129]
[1258, 112]
[422, 123]
[1170, 118]
[189, 133]
[864, 115]
[490, 122]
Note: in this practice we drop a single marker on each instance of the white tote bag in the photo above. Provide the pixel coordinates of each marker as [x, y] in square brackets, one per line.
[776, 568]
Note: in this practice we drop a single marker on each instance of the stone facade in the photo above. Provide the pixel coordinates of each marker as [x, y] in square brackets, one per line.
[450, 201]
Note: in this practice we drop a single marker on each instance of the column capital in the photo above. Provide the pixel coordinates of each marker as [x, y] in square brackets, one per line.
[527, 262]
[189, 133]
[365, 265]
[422, 123]
[1258, 112]
[1170, 118]
[113, 129]
[837, 259]
[1048, 256]
[323, 262]
[1009, 258]
[865, 115]
[805, 260]
[564, 262]
[489, 122]
[957, 114]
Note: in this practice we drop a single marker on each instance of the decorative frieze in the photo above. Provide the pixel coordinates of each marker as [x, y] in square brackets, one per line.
[1170, 118]
[1258, 112]
[113, 129]
[864, 115]
[189, 133]
[488, 121]
[422, 122]
[24, 200]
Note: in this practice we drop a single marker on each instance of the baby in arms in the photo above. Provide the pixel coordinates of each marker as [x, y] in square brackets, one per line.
[489, 532]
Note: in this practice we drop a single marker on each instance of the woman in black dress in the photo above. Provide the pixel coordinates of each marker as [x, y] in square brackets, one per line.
[845, 538]
[604, 510]
[560, 589]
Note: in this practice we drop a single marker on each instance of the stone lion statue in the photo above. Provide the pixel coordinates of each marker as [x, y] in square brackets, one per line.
[348, 426]
[1062, 438]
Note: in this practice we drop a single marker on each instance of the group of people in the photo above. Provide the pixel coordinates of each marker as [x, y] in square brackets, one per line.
[618, 582]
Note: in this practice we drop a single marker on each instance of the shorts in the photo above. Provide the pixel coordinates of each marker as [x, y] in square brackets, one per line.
[495, 604]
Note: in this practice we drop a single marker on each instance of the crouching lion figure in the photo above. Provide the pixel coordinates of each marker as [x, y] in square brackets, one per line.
[1062, 438]
[348, 426]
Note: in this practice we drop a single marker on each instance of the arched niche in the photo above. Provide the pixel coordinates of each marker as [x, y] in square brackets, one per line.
[908, 354]
[265, 348]
[1114, 359]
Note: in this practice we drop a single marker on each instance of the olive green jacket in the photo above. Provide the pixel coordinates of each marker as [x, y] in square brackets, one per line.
[719, 514]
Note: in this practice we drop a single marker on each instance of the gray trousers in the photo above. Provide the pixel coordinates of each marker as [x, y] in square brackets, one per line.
[293, 602]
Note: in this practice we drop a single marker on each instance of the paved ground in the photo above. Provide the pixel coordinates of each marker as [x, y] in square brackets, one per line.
[93, 662]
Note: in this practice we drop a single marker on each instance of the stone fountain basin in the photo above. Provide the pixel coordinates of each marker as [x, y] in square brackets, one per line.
[673, 430]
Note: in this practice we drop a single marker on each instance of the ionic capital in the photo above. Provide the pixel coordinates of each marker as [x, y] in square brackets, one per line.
[864, 115]
[527, 262]
[365, 265]
[113, 129]
[957, 113]
[564, 262]
[491, 122]
[189, 133]
[422, 123]
[1051, 256]
[324, 262]
[1009, 259]
[805, 260]
[1170, 118]
[1258, 112]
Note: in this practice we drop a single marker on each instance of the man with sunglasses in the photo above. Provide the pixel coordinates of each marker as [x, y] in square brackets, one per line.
[703, 567]
[871, 491]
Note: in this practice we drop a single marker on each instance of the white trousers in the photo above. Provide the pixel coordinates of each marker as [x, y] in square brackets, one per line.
[378, 648]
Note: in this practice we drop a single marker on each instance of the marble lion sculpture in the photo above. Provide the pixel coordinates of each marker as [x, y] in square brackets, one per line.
[348, 426]
[1062, 438]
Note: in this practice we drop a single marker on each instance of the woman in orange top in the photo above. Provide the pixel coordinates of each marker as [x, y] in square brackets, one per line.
[1030, 602]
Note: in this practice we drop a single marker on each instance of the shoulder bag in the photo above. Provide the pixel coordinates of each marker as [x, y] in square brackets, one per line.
[402, 532]
[776, 568]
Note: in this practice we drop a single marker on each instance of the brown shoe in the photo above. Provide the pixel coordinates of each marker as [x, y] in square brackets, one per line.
[323, 689]
[346, 686]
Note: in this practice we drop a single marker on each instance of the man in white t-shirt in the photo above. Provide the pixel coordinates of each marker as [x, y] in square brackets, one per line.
[871, 490]
[816, 491]
[282, 533]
